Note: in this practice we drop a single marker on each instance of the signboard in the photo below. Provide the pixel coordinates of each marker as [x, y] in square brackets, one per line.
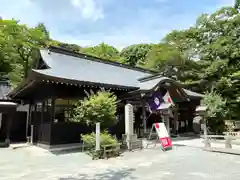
[163, 135]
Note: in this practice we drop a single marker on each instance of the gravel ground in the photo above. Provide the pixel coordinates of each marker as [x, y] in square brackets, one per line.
[181, 163]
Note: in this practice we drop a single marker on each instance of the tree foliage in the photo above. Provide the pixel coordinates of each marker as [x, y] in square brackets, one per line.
[217, 110]
[135, 55]
[20, 42]
[237, 4]
[202, 57]
[216, 105]
[103, 51]
[100, 107]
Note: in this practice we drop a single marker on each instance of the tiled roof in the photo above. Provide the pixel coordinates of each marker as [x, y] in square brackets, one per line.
[149, 84]
[66, 66]
[82, 69]
[193, 94]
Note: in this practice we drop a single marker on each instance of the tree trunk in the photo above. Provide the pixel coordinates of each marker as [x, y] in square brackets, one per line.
[25, 68]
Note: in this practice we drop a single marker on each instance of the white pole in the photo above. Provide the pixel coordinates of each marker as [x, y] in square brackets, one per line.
[31, 134]
[97, 136]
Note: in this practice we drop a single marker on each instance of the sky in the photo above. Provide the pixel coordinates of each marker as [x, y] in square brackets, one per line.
[116, 22]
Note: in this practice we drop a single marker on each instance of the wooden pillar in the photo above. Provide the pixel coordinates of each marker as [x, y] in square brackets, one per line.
[175, 120]
[52, 109]
[190, 121]
[29, 117]
[144, 117]
[8, 130]
[42, 112]
[35, 113]
[69, 110]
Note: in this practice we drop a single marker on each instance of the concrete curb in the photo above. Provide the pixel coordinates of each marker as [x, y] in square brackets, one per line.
[223, 150]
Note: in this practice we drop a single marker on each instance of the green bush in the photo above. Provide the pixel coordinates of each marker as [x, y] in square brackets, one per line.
[100, 107]
[105, 139]
[217, 110]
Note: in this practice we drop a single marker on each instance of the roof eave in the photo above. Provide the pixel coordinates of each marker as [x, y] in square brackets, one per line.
[45, 77]
[22, 85]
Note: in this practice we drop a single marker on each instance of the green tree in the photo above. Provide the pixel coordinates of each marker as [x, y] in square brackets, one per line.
[8, 56]
[100, 107]
[103, 51]
[161, 55]
[237, 4]
[217, 111]
[170, 62]
[22, 41]
[71, 47]
[135, 55]
[219, 47]
[5, 59]
[213, 47]
[44, 30]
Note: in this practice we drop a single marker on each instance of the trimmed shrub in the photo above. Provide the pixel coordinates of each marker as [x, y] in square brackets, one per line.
[106, 138]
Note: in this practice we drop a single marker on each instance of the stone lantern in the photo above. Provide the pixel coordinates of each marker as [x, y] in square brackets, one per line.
[202, 112]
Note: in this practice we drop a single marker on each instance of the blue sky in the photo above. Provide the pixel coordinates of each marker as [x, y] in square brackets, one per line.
[115, 22]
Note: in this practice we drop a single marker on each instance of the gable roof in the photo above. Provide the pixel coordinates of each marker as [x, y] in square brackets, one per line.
[64, 66]
[150, 83]
[82, 68]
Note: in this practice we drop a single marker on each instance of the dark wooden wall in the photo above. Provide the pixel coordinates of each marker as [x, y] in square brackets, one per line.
[18, 127]
[62, 133]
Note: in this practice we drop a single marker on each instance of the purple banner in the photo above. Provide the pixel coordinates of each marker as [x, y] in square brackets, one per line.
[155, 101]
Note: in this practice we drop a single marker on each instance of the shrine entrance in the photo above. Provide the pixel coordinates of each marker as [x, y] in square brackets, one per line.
[178, 104]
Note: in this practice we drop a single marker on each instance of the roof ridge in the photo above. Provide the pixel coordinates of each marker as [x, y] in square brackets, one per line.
[96, 59]
[151, 77]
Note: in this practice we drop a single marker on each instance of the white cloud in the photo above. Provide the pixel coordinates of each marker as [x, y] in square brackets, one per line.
[89, 9]
[80, 18]
[23, 10]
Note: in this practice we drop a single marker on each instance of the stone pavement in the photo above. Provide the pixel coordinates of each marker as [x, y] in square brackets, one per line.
[182, 163]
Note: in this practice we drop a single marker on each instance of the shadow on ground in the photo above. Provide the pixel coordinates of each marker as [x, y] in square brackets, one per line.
[66, 151]
[175, 139]
[108, 175]
[179, 145]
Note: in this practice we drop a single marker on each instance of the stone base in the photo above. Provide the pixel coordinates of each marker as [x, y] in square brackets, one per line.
[63, 147]
[4, 144]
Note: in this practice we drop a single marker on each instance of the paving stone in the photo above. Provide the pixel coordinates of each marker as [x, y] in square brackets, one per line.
[182, 163]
